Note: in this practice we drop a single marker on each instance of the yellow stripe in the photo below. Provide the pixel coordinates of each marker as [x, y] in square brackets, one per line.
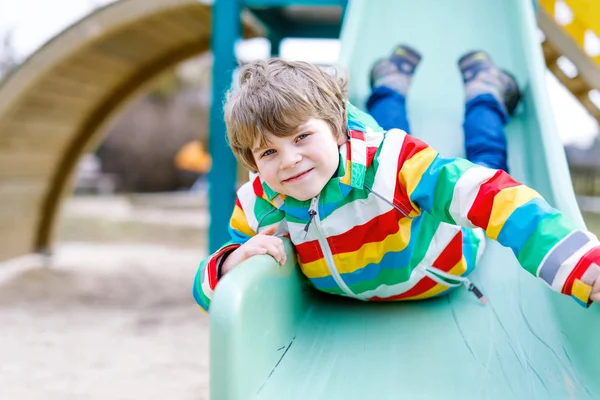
[369, 253]
[372, 253]
[413, 169]
[505, 203]
[581, 291]
[239, 223]
[346, 179]
[457, 270]
[315, 269]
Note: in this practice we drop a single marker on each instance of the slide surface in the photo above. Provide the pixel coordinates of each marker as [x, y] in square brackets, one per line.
[273, 337]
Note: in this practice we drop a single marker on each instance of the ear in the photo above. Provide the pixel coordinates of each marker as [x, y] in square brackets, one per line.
[342, 138]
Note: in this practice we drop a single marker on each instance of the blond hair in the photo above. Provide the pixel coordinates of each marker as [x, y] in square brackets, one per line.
[278, 96]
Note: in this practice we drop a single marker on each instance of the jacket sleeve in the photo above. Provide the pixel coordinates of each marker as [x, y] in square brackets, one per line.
[207, 275]
[547, 243]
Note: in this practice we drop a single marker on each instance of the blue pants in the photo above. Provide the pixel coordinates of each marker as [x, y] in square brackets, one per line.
[485, 140]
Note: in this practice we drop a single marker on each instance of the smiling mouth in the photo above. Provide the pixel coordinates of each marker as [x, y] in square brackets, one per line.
[297, 177]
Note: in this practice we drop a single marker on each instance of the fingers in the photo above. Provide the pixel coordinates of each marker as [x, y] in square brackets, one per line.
[254, 251]
[276, 250]
[595, 296]
[264, 243]
[269, 230]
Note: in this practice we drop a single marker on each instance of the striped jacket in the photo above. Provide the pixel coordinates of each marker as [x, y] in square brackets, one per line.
[397, 223]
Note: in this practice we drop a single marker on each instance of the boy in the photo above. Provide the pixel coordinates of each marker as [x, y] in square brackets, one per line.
[374, 214]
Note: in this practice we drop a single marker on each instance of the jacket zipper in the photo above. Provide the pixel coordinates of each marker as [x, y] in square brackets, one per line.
[433, 273]
[446, 279]
[313, 212]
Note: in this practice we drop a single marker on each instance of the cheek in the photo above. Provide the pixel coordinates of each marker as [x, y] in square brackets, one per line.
[332, 151]
[268, 172]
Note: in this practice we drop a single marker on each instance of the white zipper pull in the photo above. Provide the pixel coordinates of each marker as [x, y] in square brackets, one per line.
[312, 211]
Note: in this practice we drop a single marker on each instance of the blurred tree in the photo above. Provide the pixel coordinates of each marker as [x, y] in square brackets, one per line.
[145, 138]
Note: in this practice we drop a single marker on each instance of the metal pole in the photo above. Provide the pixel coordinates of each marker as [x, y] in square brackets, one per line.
[226, 29]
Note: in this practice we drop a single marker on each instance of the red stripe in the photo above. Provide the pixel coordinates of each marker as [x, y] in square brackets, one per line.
[410, 147]
[582, 266]
[480, 212]
[357, 135]
[376, 230]
[238, 203]
[309, 252]
[371, 151]
[212, 264]
[451, 255]
[257, 186]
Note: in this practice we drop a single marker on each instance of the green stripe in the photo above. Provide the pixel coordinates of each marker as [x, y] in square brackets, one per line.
[272, 218]
[426, 232]
[261, 208]
[474, 241]
[358, 175]
[199, 295]
[549, 232]
[331, 193]
[444, 190]
[292, 219]
[335, 290]
[385, 277]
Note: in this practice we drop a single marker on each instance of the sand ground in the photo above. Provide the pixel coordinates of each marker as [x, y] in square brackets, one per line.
[110, 315]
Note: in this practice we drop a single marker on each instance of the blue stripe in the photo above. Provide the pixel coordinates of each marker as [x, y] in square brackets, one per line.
[345, 189]
[326, 209]
[581, 303]
[391, 260]
[423, 195]
[300, 213]
[324, 283]
[523, 222]
[237, 237]
[356, 125]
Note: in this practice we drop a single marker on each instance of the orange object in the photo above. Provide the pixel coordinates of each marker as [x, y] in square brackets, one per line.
[193, 157]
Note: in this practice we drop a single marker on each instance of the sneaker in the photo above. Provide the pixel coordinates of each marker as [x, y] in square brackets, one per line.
[481, 76]
[395, 72]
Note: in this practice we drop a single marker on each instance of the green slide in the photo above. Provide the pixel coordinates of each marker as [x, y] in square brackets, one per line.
[273, 337]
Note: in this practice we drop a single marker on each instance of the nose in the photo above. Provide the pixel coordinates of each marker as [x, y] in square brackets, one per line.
[290, 158]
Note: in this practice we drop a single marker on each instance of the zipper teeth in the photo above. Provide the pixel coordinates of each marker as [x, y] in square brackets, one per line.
[329, 256]
[263, 218]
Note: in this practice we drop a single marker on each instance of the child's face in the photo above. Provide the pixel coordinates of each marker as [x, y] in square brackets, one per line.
[300, 165]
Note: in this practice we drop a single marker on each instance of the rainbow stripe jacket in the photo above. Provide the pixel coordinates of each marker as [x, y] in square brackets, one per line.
[399, 222]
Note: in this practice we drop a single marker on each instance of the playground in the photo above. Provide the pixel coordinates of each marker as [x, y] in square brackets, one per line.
[86, 321]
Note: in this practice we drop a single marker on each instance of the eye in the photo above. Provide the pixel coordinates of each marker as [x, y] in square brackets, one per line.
[267, 153]
[302, 137]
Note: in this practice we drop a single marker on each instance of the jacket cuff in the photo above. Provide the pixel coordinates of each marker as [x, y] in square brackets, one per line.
[213, 266]
[582, 278]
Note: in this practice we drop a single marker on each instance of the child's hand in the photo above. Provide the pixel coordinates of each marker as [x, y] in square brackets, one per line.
[263, 243]
[595, 295]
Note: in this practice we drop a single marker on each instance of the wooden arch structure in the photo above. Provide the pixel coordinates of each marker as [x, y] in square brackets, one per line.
[55, 106]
